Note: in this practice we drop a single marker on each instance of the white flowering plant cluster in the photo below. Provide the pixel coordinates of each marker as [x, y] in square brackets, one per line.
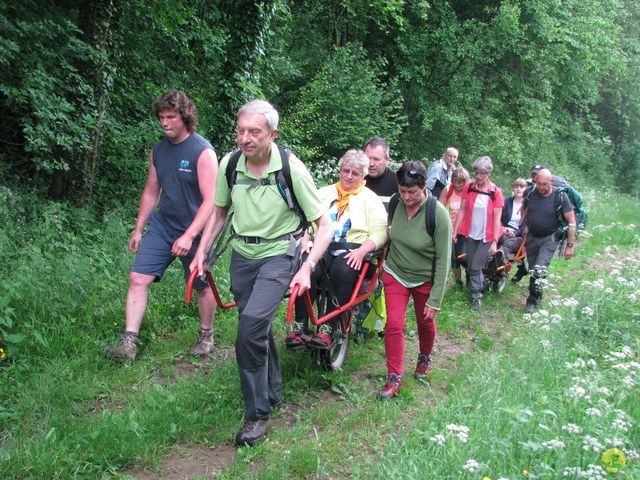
[324, 172]
[565, 393]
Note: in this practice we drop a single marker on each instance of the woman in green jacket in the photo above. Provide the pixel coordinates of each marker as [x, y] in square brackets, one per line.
[416, 267]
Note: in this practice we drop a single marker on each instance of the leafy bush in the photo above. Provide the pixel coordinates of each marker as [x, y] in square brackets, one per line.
[343, 106]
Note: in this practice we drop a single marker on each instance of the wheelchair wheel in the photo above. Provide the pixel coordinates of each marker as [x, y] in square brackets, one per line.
[333, 358]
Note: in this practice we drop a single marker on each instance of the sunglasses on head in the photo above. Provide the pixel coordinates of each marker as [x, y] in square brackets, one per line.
[414, 174]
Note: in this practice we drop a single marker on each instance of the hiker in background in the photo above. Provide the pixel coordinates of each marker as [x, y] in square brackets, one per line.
[182, 169]
[380, 179]
[511, 237]
[265, 261]
[542, 224]
[534, 172]
[451, 198]
[440, 171]
[479, 222]
[416, 267]
[359, 227]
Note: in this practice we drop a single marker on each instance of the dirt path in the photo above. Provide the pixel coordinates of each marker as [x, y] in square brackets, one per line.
[185, 462]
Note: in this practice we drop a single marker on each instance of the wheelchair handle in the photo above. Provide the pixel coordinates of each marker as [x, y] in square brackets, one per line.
[293, 295]
[212, 284]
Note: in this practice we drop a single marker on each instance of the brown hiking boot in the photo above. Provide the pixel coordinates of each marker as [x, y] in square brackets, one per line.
[125, 349]
[204, 344]
[424, 366]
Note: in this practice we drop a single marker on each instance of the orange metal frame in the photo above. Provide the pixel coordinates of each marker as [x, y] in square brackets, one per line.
[355, 299]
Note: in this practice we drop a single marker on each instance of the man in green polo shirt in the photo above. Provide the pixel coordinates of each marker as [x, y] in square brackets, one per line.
[265, 261]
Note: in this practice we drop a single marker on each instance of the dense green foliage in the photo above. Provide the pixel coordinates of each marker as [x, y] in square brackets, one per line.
[522, 81]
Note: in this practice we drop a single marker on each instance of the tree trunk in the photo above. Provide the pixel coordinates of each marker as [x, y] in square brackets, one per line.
[96, 21]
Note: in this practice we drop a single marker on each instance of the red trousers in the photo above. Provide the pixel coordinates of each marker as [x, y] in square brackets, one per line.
[397, 299]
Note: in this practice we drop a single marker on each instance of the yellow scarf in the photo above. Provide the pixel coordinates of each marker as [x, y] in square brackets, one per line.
[343, 198]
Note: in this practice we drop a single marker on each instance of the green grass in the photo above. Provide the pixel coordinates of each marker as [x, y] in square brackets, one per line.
[509, 399]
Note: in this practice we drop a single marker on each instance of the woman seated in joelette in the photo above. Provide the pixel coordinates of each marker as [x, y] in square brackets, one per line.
[359, 227]
[511, 238]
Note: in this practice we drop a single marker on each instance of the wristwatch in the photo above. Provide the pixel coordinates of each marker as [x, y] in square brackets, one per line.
[311, 263]
[569, 244]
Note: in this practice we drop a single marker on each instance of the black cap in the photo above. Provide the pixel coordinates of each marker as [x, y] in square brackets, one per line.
[537, 167]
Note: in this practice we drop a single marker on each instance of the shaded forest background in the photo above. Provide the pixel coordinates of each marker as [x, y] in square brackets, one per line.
[523, 81]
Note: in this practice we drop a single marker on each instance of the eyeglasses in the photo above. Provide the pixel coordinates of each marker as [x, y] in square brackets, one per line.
[478, 172]
[347, 171]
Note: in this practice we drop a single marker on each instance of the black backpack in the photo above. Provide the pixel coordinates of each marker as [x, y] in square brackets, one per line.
[282, 180]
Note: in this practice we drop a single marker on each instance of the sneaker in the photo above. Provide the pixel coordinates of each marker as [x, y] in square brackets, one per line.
[476, 303]
[125, 349]
[423, 368]
[204, 344]
[391, 388]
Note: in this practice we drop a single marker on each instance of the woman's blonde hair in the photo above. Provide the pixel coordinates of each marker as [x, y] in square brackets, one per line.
[460, 175]
[519, 182]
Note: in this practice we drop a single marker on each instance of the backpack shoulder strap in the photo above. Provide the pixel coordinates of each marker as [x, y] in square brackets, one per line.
[283, 178]
[430, 221]
[430, 215]
[285, 186]
[393, 203]
[231, 173]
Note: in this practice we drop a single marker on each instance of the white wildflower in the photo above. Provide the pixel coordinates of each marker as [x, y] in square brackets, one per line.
[593, 472]
[570, 302]
[555, 318]
[571, 428]
[605, 391]
[614, 442]
[579, 363]
[471, 466]
[554, 444]
[619, 424]
[577, 391]
[588, 311]
[591, 444]
[632, 455]
[439, 439]
[461, 431]
[593, 412]
[629, 381]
